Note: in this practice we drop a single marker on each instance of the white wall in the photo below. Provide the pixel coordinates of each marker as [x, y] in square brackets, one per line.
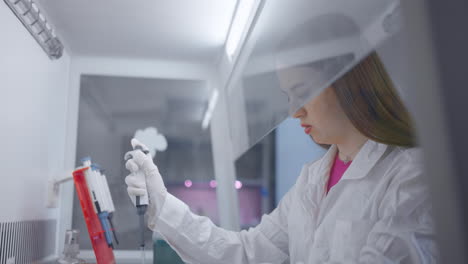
[33, 121]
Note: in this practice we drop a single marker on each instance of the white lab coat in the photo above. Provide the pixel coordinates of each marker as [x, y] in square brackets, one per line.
[379, 212]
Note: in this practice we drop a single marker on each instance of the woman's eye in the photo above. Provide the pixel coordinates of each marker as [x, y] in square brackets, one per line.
[302, 92]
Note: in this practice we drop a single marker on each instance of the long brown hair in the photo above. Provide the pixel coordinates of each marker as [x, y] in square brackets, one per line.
[368, 97]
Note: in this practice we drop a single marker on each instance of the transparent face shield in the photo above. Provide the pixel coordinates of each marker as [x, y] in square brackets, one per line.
[302, 83]
[295, 51]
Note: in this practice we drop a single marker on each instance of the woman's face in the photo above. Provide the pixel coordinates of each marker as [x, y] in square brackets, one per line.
[323, 118]
[298, 83]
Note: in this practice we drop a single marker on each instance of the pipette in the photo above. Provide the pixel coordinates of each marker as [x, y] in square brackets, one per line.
[141, 203]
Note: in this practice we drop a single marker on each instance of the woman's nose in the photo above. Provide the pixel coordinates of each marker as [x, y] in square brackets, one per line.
[299, 113]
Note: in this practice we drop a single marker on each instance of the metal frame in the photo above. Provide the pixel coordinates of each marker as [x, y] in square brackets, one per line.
[437, 56]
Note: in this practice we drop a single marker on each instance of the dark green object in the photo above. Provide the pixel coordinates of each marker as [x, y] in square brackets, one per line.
[164, 254]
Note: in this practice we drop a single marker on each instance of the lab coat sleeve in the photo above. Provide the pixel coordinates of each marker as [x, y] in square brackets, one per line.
[197, 240]
[404, 232]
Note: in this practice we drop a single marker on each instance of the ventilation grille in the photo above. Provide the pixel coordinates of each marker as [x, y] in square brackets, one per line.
[26, 241]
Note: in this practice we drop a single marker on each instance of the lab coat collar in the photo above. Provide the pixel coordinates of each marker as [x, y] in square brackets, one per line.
[324, 167]
[364, 161]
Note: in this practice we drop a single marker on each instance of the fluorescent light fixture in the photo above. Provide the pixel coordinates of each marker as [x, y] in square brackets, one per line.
[210, 109]
[239, 23]
[28, 13]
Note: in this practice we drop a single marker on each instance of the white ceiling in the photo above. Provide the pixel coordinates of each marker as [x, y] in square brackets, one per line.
[193, 31]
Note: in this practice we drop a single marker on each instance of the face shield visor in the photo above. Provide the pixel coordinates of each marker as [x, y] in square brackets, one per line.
[314, 54]
[302, 83]
[292, 55]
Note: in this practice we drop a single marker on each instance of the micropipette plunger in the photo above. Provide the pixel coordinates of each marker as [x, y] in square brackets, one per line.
[141, 203]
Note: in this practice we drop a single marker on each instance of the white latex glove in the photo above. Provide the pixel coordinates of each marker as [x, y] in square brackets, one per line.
[153, 183]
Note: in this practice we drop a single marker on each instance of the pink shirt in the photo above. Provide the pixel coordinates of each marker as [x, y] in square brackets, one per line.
[337, 170]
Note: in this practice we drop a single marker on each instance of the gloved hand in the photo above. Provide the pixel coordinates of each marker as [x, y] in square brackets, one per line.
[152, 184]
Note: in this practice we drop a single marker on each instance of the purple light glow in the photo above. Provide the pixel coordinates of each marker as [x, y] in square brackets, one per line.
[213, 184]
[238, 185]
[188, 183]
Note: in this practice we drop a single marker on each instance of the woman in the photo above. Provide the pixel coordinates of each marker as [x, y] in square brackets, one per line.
[363, 202]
